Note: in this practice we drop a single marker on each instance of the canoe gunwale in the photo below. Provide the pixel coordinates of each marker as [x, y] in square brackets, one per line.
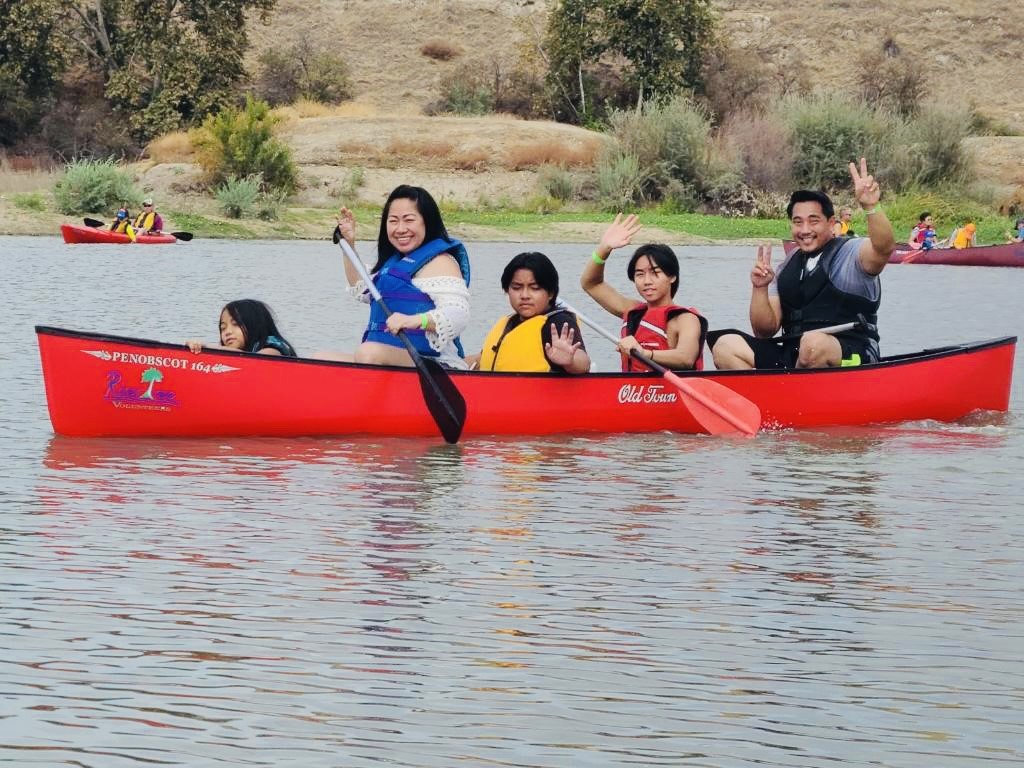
[888, 361]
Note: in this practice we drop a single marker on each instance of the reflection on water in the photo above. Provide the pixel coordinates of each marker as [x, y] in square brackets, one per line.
[845, 596]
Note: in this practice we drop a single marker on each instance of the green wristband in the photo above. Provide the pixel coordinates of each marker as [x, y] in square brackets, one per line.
[597, 259]
[875, 209]
[424, 319]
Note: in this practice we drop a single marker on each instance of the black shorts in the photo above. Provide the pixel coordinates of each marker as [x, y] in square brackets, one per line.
[771, 353]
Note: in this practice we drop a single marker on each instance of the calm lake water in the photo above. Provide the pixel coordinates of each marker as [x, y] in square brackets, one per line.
[836, 597]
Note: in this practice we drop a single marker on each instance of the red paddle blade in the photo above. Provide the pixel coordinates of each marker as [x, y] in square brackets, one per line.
[718, 409]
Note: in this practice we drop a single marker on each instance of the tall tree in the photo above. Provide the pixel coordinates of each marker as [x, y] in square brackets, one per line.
[167, 63]
[659, 46]
[32, 56]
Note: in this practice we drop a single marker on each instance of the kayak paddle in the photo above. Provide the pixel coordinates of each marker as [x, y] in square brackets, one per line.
[718, 409]
[96, 224]
[444, 401]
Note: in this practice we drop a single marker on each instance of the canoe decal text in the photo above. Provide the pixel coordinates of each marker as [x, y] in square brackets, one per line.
[161, 361]
[646, 393]
[147, 397]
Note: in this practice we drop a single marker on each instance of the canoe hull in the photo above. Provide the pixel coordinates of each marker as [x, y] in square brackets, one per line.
[76, 234]
[100, 385]
[1004, 255]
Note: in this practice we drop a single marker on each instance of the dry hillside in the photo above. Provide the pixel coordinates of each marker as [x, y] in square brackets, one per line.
[971, 49]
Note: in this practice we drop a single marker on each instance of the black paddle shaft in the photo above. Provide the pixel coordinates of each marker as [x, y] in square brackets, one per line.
[444, 401]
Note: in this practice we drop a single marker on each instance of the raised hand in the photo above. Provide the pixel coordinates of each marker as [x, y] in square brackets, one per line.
[865, 188]
[563, 345]
[762, 274]
[619, 233]
[347, 225]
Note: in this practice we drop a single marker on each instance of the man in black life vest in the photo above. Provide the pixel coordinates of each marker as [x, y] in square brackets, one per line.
[826, 281]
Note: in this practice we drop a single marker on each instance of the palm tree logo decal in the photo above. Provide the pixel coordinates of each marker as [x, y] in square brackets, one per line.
[150, 376]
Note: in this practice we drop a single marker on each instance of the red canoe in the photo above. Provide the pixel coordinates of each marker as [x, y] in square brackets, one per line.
[75, 233]
[1004, 255]
[100, 385]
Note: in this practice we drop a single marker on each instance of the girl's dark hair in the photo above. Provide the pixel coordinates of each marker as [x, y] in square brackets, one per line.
[544, 272]
[255, 319]
[811, 196]
[428, 209]
[924, 216]
[661, 256]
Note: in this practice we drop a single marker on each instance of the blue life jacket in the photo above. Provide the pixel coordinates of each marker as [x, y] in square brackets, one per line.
[273, 342]
[394, 281]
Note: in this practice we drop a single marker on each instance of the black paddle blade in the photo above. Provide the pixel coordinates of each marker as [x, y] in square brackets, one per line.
[184, 236]
[93, 223]
[444, 401]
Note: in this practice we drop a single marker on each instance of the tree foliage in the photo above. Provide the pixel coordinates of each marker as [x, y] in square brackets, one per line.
[32, 56]
[659, 46]
[168, 63]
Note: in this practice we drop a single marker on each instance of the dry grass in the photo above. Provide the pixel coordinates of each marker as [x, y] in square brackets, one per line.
[470, 159]
[440, 50]
[171, 148]
[20, 175]
[550, 152]
[414, 149]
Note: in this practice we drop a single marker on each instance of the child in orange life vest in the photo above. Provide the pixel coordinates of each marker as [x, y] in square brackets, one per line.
[537, 336]
[668, 334]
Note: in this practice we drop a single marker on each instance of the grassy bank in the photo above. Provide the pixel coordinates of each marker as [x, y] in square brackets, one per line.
[34, 213]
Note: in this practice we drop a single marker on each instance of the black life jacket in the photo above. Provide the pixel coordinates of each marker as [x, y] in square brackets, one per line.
[810, 300]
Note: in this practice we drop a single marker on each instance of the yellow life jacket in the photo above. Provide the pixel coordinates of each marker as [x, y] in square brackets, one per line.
[521, 349]
[844, 227]
[144, 221]
[121, 226]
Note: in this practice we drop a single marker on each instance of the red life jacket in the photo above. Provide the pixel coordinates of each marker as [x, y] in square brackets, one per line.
[649, 326]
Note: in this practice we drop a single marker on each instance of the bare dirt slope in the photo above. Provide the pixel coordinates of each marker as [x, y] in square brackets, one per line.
[970, 49]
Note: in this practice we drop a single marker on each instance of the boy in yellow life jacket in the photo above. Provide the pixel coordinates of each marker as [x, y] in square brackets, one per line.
[537, 337]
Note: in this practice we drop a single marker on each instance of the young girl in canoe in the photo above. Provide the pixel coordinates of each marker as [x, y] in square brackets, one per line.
[247, 325]
[670, 335]
[422, 274]
[537, 336]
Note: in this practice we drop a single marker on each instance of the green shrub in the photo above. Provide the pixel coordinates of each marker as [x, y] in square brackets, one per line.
[557, 182]
[268, 206]
[242, 144]
[620, 181]
[30, 201]
[301, 70]
[94, 186]
[238, 196]
[828, 131]
[466, 91]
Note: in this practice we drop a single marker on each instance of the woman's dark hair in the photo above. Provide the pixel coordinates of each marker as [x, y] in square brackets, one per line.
[255, 319]
[428, 209]
[544, 272]
[661, 256]
[811, 196]
[924, 216]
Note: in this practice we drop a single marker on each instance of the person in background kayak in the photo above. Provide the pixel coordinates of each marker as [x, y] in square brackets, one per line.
[247, 325]
[965, 236]
[842, 227]
[537, 336]
[826, 280]
[923, 222]
[121, 220]
[422, 274]
[668, 334]
[149, 221]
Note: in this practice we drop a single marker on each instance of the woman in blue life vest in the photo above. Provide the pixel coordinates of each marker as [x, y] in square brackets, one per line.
[537, 337]
[659, 329]
[423, 276]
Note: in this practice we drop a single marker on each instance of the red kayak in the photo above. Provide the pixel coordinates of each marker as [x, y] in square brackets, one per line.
[101, 385]
[1004, 255]
[76, 233]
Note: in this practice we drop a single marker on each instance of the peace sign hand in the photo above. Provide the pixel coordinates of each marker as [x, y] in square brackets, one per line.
[762, 274]
[865, 188]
